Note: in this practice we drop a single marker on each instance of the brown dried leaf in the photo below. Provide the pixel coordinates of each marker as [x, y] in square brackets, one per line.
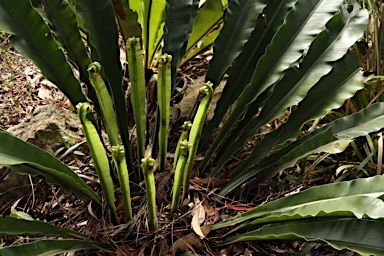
[247, 252]
[208, 209]
[190, 240]
[210, 182]
[206, 229]
[185, 242]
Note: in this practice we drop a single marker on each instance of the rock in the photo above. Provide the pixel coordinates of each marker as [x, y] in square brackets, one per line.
[46, 129]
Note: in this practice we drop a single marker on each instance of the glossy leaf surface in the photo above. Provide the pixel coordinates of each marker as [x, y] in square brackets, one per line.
[337, 199]
[39, 162]
[49, 247]
[362, 236]
[10, 226]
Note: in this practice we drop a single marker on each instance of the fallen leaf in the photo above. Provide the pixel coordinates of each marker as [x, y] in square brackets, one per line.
[119, 207]
[197, 219]
[210, 182]
[44, 94]
[91, 211]
[240, 207]
[206, 229]
[190, 240]
[185, 242]
[247, 252]
[13, 207]
[208, 209]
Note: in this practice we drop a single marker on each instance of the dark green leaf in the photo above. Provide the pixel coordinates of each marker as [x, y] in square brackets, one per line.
[301, 25]
[341, 83]
[329, 46]
[239, 22]
[32, 38]
[49, 247]
[10, 226]
[63, 23]
[359, 124]
[179, 18]
[335, 199]
[362, 236]
[25, 158]
[244, 66]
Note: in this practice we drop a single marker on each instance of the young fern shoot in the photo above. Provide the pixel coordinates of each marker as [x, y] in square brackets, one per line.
[164, 98]
[147, 165]
[179, 173]
[105, 102]
[137, 79]
[100, 158]
[184, 135]
[195, 133]
[118, 155]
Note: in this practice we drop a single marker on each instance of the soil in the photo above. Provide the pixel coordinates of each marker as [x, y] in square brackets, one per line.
[23, 89]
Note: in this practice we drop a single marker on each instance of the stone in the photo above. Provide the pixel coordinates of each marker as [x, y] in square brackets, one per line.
[46, 129]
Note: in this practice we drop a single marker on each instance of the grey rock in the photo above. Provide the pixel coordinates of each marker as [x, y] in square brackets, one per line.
[46, 129]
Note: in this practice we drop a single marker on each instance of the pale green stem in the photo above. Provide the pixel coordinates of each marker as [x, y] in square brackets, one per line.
[147, 165]
[100, 158]
[194, 135]
[118, 155]
[178, 178]
[164, 98]
[105, 102]
[187, 169]
[137, 79]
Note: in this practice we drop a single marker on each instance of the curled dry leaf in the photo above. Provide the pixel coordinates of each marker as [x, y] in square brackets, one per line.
[91, 211]
[197, 219]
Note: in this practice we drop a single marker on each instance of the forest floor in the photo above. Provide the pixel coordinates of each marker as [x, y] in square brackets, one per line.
[23, 89]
